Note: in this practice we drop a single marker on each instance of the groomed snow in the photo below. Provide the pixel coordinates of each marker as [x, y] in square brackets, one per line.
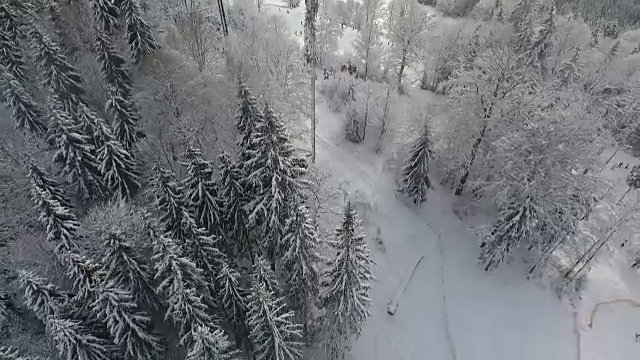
[452, 309]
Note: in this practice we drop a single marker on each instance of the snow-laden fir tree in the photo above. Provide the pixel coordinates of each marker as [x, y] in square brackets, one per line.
[248, 116]
[524, 38]
[352, 124]
[569, 71]
[265, 277]
[25, 112]
[74, 153]
[543, 43]
[209, 343]
[138, 32]
[125, 268]
[43, 181]
[61, 28]
[126, 119]
[233, 199]
[61, 224]
[516, 223]
[521, 11]
[346, 300]
[200, 191]
[274, 177]
[106, 13]
[415, 173]
[112, 65]
[275, 335]
[72, 339]
[11, 55]
[299, 260]
[181, 284]
[169, 202]
[55, 69]
[234, 303]
[92, 126]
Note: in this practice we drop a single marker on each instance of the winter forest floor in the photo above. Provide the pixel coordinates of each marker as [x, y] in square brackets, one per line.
[452, 309]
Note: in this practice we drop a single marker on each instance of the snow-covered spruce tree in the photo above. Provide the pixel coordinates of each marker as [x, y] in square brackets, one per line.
[265, 277]
[55, 69]
[43, 181]
[41, 297]
[72, 339]
[129, 327]
[126, 269]
[201, 193]
[300, 259]
[201, 248]
[233, 198]
[272, 331]
[25, 112]
[141, 40]
[112, 65]
[209, 343]
[248, 116]
[7, 353]
[352, 124]
[234, 303]
[106, 13]
[275, 180]
[126, 119]
[169, 202]
[11, 55]
[543, 43]
[346, 301]
[92, 126]
[60, 222]
[415, 174]
[74, 153]
[180, 284]
[120, 175]
[569, 71]
[515, 225]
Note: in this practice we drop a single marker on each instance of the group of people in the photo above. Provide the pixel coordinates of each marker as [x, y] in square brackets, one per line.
[619, 166]
[348, 67]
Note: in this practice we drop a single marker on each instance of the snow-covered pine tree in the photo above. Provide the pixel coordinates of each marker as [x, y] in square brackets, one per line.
[265, 277]
[209, 343]
[119, 169]
[129, 327]
[60, 222]
[201, 248]
[125, 119]
[43, 181]
[169, 202]
[201, 193]
[234, 303]
[272, 330]
[248, 116]
[92, 126]
[25, 112]
[524, 37]
[516, 223]
[352, 124]
[60, 28]
[72, 339]
[233, 199]
[181, 285]
[275, 180]
[126, 269]
[55, 69]
[415, 173]
[74, 153]
[106, 13]
[112, 65]
[11, 55]
[543, 42]
[300, 259]
[141, 40]
[520, 12]
[346, 301]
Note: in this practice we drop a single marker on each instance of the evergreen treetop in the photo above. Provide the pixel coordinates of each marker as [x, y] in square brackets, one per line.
[24, 110]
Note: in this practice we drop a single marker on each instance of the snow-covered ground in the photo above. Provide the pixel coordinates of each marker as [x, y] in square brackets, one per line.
[452, 309]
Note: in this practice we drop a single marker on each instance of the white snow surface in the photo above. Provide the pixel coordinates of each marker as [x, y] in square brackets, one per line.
[453, 309]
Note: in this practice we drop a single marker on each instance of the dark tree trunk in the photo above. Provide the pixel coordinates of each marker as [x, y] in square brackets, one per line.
[472, 158]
